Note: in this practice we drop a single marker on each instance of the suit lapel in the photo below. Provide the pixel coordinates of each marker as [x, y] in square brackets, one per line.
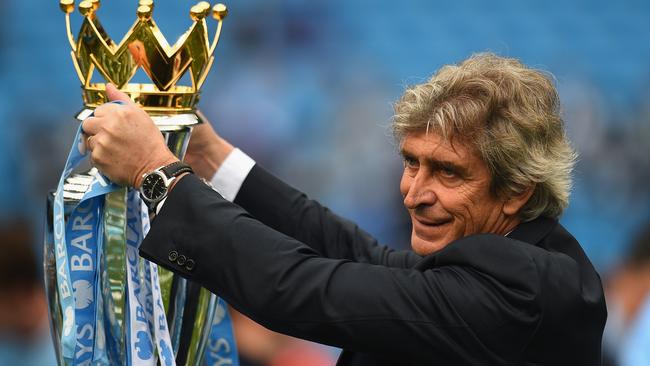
[534, 231]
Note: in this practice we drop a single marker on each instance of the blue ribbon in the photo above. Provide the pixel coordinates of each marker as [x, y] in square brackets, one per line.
[141, 343]
[78, 248]
[76, 260]
[221, 349]
[82, 231]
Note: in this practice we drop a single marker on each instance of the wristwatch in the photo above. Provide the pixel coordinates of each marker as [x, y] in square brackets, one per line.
[155, 184]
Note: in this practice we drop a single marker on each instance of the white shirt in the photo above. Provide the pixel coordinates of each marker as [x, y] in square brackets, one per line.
[231, 174]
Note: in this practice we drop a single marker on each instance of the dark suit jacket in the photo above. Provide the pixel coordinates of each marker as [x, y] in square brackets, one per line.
[532, 298]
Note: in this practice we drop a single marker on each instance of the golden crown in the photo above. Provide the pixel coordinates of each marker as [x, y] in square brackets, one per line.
[144, 46]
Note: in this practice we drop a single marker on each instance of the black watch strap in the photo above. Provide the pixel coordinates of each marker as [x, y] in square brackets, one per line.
[175, 169]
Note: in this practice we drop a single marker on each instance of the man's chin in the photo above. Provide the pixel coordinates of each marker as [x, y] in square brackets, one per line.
[425, 247]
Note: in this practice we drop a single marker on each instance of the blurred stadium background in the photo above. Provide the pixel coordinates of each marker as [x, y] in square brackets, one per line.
[305, 87]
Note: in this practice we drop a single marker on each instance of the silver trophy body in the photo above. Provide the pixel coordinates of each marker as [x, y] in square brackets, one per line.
[189, 308]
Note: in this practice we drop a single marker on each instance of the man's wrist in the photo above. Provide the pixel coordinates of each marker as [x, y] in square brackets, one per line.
[173, 183]
[214, 157]
[158, 184]
[151, 166]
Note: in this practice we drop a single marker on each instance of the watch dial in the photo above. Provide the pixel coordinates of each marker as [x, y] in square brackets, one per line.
[153, 187]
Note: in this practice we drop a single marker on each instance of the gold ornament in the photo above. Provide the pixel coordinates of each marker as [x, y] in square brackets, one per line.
[144, 46]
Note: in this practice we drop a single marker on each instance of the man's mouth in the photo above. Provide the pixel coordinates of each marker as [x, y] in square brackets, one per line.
[430, 229]
[432, 222]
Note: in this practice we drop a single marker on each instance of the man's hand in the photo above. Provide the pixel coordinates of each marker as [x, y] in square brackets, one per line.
[206, 150]
[123, 141]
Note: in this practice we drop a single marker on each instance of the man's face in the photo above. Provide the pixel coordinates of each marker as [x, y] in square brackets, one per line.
[446, 189]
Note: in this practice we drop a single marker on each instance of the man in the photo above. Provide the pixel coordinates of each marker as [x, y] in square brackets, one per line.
[493, 278]
[24, 333]
[627, 335]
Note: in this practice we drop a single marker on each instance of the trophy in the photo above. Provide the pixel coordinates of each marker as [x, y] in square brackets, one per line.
[190, 311]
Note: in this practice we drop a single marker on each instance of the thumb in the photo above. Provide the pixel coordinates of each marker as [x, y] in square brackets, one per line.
[113, 93]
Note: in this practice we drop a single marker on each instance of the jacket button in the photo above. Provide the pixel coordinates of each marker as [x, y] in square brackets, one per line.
[181, 260]
[173, 255]
[189, 265]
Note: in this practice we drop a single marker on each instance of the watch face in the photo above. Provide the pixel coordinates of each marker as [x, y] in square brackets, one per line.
[153, 187]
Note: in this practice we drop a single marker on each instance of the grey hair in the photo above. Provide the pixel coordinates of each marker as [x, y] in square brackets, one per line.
[509, 114]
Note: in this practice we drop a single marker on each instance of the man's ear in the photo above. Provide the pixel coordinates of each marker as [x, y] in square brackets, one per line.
[514, 203]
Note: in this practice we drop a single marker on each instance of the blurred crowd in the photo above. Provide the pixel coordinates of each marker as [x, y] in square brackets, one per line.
[627, 333]
[306, 86]
[24, 324]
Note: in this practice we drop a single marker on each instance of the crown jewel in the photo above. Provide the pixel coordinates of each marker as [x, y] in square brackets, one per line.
[144, 46]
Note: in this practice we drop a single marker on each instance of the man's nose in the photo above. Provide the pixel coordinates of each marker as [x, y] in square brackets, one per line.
[420, 191]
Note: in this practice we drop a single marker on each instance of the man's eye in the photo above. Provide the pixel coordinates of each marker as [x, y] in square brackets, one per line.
[448, 172]
[410, 162]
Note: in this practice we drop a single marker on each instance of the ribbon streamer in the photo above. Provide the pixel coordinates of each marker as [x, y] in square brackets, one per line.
[111, 302]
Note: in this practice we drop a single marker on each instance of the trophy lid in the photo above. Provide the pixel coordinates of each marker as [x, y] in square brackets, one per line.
[144, 47]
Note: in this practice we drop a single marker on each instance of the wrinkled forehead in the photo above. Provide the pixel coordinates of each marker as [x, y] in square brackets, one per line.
[436, 144]
[435, 139]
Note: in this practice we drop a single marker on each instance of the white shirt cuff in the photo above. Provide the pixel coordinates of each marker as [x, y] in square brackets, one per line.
[232, 173]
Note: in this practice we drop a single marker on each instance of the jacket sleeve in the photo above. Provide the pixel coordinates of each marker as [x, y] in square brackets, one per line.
[290, 212]
[454, 312]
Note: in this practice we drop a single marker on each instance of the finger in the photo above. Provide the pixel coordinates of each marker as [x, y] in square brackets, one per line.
[203, 128]
[202, 116]
[113, 93]
[91, 159]
[89, 143]
[96, 160]
[206, 124]
[90, 126]
[106, 108]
